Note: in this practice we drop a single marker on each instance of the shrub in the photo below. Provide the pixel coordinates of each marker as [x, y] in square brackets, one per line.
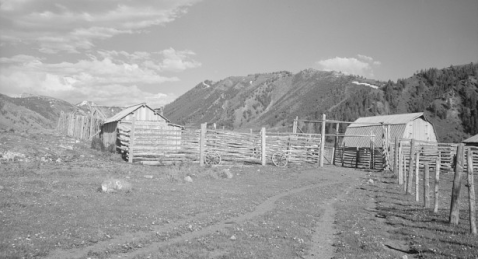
[97, 144]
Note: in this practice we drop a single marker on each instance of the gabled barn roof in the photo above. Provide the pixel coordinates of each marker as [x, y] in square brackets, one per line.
[120, 115]
[473, 139]
[385, 119]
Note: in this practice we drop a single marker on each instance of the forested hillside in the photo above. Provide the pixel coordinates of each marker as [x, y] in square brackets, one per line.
[449, 98]
[272, 99]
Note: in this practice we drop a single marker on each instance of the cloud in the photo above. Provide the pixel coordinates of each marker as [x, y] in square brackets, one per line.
[108, 77]
[363, 66]
[178, 60]
[72, 26]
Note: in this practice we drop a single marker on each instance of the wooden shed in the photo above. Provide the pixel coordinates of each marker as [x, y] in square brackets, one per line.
[406, 126]
[472, 141]
[140, 112]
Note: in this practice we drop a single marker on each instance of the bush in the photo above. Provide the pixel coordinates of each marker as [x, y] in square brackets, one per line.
[97, 144]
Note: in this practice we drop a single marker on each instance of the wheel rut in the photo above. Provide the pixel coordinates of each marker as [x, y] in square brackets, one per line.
[322, 240]
[261, 209]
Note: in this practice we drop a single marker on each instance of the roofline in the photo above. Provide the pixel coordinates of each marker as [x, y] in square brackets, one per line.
[139, 106]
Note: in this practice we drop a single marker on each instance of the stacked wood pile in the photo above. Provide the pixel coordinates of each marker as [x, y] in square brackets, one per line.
[78, 126]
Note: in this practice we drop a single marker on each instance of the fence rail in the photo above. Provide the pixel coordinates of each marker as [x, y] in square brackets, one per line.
[155, 143]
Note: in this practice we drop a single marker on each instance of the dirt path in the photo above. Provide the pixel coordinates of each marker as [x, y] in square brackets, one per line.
[322, 239]
[261, 209]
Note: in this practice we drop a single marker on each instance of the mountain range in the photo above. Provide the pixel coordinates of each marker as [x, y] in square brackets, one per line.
[448, 97]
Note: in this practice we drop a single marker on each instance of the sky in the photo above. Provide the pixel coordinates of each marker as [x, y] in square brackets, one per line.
[124, 52]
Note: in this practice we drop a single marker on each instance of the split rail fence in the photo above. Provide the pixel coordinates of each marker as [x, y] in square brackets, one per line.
[78, 126]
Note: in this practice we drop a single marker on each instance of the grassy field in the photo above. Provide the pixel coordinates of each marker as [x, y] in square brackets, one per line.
[52, 206]
[388, 223]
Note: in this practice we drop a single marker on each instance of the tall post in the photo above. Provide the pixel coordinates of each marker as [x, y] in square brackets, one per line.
[437, 183]
[82, 123]
[417, 176]
[404, 171]
[294, 126]
[410, 167]
[400, 165]
[322, 141]
[455, 193]
[372, 151]
[202, 144]
[91, 127]
[426, 186]
[471, 192]
[336, 144]
[395, 160]
[263, 146]
[131, 139]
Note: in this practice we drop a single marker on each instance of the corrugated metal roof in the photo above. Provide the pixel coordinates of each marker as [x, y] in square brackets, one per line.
[385, 119]
[395, 131]
[120, 115]
[473, 139]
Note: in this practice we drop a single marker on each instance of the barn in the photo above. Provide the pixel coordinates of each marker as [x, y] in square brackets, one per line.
[472, 141]
[140, 112]
[402, 126]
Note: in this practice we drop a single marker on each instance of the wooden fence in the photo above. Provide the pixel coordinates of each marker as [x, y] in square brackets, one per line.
[153, 143]
[363, 158]
[416, 159]
[78, 126]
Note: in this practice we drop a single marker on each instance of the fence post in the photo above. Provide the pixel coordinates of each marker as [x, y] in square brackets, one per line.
[404, 171]
[131, 140]
[471, 192]
[455, 193]
[372, 151]
[395, 160]
[417, 176]
[336, 144]
[202, 142]
[91, 127]
[343, 155]
[437, 182]
[400, 165]
[294, 126]
[322, 141]
[82, 127]
[410, 167]
[426, 186]
[357, 157]
[263, 146]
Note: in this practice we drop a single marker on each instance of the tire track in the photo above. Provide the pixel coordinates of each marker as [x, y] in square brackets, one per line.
[261, 209]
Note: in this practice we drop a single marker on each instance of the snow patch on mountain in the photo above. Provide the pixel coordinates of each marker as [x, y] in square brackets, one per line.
[367, 84]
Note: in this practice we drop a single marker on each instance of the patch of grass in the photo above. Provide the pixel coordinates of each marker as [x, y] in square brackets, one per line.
[55, 207]
[389, 223]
